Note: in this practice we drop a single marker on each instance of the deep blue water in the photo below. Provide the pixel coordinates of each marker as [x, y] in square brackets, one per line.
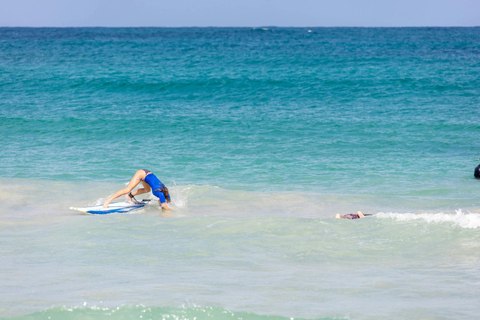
[313, 109]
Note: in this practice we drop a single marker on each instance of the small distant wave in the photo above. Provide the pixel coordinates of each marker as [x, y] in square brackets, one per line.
[262, 29]
[466, 220]
[145, 312]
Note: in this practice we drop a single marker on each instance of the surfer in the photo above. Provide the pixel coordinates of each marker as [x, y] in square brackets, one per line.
[149, 182]
[350, 216]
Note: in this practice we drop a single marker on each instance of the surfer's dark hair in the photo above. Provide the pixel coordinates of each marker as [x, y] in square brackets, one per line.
[165, 192]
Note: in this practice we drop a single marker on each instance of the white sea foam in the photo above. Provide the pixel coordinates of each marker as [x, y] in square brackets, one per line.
[467, 220]
[179, 195]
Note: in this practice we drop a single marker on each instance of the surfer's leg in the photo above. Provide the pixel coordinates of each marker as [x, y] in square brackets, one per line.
[146, 188]
[360, 214]
[140, 174]
[137, 178]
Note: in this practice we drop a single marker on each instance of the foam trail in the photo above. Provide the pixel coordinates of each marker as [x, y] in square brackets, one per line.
[466, 220]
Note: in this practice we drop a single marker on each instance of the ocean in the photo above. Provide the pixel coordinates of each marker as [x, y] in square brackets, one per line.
[261, 135]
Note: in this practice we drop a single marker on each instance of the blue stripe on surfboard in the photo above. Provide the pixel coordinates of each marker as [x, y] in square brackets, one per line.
[120, 209]
[124, 209]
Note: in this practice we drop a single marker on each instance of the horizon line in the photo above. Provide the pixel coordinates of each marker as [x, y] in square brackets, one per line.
[240, 27]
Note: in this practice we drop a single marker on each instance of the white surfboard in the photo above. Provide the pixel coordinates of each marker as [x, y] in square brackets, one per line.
[117, 207]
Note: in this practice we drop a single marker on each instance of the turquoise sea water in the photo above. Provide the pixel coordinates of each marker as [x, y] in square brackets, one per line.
[261, 135]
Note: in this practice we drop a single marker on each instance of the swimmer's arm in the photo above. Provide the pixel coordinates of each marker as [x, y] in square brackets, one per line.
[360, 214]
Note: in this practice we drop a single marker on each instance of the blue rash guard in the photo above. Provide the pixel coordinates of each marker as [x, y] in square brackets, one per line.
[156, 185]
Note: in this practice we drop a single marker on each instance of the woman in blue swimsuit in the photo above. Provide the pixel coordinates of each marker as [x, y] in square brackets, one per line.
[150, 182]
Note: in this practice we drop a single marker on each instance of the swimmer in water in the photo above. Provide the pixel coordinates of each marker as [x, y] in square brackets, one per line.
[150, 182]
[350, 216]
[476, 172]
